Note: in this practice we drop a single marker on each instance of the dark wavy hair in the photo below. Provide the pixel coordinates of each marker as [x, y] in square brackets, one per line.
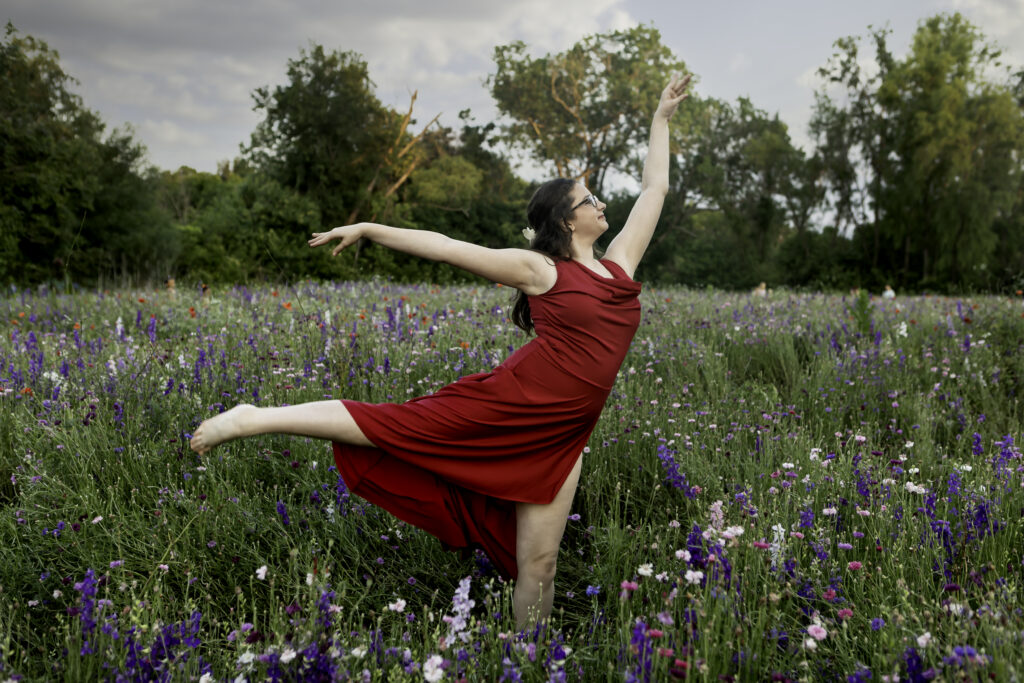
[547, 214]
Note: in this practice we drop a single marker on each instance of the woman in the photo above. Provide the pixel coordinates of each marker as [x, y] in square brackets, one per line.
[492, 461]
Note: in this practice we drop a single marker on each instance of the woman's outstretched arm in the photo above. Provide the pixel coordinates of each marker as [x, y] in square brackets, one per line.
[629, 245]
[523, 269]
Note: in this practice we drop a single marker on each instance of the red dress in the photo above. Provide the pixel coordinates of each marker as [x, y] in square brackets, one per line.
[456, 462]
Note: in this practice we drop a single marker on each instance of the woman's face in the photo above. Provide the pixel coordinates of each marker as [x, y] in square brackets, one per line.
[587, 217]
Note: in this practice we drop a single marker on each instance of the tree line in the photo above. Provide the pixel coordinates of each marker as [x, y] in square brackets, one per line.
[914, 179]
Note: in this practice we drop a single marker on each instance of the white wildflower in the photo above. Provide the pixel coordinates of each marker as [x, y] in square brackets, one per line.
[432, 671]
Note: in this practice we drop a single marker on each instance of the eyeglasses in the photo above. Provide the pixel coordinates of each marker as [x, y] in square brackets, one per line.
[589, 199]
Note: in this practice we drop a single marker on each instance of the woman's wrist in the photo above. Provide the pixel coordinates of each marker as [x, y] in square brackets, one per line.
[364, 230]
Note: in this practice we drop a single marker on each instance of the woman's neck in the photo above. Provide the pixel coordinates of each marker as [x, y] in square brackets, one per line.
[582, 253]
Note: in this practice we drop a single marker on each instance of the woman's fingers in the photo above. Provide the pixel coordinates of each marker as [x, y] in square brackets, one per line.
[319, 238]
[679, 85]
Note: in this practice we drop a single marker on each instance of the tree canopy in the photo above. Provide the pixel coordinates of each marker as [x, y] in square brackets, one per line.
[585, 111]
[72, 204]
[915, 174]
[922, 156]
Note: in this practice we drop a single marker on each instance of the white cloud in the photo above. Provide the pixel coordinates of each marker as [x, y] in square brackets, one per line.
[810, 78]
[740, 62]
[167, 132]
[1000, 20]
[186, 70]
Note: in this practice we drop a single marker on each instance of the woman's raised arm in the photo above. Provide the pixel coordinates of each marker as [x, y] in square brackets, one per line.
[528, 271]
[629, 245]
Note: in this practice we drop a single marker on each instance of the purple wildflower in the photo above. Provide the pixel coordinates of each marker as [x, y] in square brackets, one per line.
[283, 511]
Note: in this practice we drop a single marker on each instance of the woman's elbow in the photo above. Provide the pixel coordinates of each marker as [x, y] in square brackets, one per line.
[659, 190]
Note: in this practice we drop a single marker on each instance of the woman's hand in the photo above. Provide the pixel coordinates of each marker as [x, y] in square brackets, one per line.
[348, 234]
[672, 95]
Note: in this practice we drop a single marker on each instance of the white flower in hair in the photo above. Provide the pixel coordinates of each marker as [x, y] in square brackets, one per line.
[529, 234]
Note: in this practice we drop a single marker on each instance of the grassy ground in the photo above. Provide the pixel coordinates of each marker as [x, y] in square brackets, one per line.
[799, 487]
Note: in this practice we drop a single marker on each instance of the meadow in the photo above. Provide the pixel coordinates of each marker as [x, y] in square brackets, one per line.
[798, 487]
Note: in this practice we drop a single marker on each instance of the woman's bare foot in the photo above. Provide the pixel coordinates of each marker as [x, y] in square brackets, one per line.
[220, 428]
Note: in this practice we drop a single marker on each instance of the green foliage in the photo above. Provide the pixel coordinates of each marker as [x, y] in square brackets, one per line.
[937, 144]
[817, 260]
[585, 111]
[915, 180]
[861, 312]
[327, 136]
[73, 206]
[451, 183]
[738, 187]
[252, 228]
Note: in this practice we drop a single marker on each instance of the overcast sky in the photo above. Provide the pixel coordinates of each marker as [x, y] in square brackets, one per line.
[181, 72]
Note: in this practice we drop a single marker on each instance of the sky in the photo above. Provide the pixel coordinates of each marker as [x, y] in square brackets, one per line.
[181, 73]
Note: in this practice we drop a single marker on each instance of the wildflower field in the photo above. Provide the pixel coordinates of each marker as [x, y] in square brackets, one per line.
[802, 487]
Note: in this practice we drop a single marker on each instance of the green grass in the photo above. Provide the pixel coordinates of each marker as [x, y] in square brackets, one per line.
[780, 409]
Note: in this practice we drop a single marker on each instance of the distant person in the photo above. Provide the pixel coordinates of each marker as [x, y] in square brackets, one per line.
[761, 290]
[492, 461]
[888, 293]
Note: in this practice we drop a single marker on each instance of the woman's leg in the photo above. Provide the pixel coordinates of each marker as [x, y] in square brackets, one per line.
[539, 531]
[319, 420]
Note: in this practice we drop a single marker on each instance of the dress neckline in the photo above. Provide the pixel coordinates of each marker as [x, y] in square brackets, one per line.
[594, 272]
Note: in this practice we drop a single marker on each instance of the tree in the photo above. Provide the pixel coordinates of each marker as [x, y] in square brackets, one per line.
[327, 136]
[44, 138]
[740, 163]
[463, 190]
[925, 153]
[72, 205]
[238, 226]
[585, 111]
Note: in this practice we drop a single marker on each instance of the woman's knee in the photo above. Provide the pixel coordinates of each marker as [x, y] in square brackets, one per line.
[539, 567]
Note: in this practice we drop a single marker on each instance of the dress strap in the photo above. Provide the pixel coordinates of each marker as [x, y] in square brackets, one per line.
[615, 268]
